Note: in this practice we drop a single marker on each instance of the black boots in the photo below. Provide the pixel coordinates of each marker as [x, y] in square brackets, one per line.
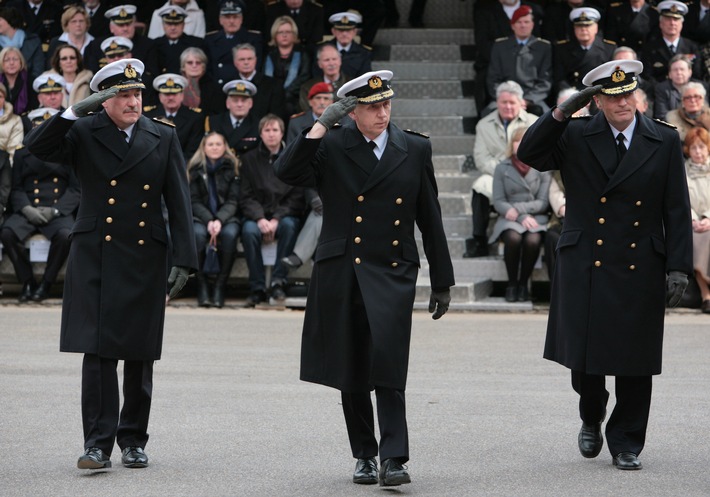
[203, 291]
[476, 246]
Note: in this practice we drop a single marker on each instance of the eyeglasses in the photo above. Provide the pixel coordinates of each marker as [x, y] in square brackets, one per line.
[692, 97]
[68, 57]
[289, 32]
[193, 62]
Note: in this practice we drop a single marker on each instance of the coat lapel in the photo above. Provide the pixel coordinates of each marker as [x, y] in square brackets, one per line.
[598, 136]
[395, 153]
[358, 150]
[645, 142]
[145, 138]
[107, 135]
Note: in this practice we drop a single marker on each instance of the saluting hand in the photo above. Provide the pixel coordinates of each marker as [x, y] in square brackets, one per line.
[578, 100]
[336, 111]
[93, 102]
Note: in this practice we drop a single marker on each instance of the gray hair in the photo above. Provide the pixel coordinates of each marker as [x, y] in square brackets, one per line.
[509, 87]
[693, 85]
[624, 49]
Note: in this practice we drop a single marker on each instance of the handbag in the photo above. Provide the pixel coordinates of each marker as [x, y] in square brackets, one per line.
[211, 264]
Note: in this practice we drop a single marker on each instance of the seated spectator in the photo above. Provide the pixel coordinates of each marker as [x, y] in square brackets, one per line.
[14, 75]
[642, 104]
[41, 17]
[5, 183]
[558, 206]
[96, 9]
[525, 59]
[194, 22]
[627, 53]
[308, 16]
[329, 62]
[696, 147]
[189, 123]
[557, 25]
[44, 197]
[320, 97]
[68, 62]
[214, 189]
[115, 48]
[75, 27]
[12, 35]
[49, 88]
[201, 91]
[233, 33]
[270, 96]
[667, 93]
[520, 196]
[170, 46]
[693, 110]
[356, 58]
[286, 62]
[272, 212]
[493, 134]
[11, 128]
[631, 23]
[237, 123]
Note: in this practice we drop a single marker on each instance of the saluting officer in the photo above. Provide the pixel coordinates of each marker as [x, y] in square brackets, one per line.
[238, 123]
[115, 287]
[627, 225]
[44, 197]
[375, 181]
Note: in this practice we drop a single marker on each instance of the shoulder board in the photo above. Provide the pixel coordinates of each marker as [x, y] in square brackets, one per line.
[196, 109]
[318, 4]
[502, 38]
[416, 133]
[616, 4]
[19, 146]
[543, 40]
[297, 115]
[255, 31]
[588, 116]
[212, 32]
[148, 108]
[666, 124]
[562, 42]
[366, 47]
[162, 121]
[609, 42]
[272, 2]
[25, 113]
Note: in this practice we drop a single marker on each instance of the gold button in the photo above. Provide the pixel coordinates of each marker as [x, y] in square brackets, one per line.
[56, 190]
[109, 220]
[111, 201]
[56, 180]
[636, 223]
[638, 203]
[398, 201]
[632, 267]
[602, 220]
[146, 187]
[36, 190]
[600, 242]
[395, 243]
[633, 245]
[141, 224]
[36, 201]
[358, 219]
[597, 263]
[36, 181]
[394, 264]
[108, 238]
[55, 200]
[357, 239]
[140, 242]
[360, 198]
[357, 260]
[603, 200]
[113, 182]
[396, 222]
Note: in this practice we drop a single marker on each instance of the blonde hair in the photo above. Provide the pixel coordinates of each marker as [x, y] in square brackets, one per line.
[199, 159]
[515, 137]
[7, 50]
[280, 21]
[70, 12]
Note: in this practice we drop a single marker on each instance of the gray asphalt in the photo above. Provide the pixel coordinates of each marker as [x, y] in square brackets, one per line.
[487, 415]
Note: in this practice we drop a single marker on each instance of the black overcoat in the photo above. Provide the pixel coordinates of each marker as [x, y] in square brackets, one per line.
[115, 285]
[367, 241]
[622, 233]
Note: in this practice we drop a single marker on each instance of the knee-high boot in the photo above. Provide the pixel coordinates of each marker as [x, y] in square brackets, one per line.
[226, 261]
[477, 246]
[203, 291]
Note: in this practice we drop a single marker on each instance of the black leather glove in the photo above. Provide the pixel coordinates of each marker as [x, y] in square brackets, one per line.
[48, 212]
[578, 100]
[317, 206]
[439, 303]
[34, 215]
[176, 280]
[336, 111]
[93, 102]
[675, 287]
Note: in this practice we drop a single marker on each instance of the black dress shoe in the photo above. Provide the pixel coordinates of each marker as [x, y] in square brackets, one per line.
[627, 461]
[256, 298]
[476, 247]
[42, 291]
[27, 290]
[590, 440]
[392, 473]
[365, 471]
[134, 457]
[511, 293]
[523, 293]
[93, 458]
[705, 307]
[292, 261]
[278, 293]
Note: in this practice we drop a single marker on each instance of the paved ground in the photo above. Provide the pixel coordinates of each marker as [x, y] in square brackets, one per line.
[487, 415]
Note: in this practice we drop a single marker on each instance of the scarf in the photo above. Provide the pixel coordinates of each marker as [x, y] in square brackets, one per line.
[16, 41]
[211, 168]
[701, 119]
[18, 95]
[520, 166]
[696, 171]
[192, 93]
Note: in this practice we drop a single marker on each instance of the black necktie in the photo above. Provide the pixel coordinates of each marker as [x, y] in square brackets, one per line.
[237, 123]
[620, 147]
[672, 49]
[124, 135]
[36, 10]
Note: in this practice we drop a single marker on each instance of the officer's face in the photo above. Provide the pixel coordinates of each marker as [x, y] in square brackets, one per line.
[329, 62]
[619, 110]
[344, 36]
[239, 106]
[125, 30]
[245, 62]
[125, 108]
[319, 102]
[372, 119]
[670, 27]
[231, 23]
[52, 99]
[173, 31]
[523, 27]
[509, 106]
[271, 134]
[585, 34]
[171, 101]
[215, 147]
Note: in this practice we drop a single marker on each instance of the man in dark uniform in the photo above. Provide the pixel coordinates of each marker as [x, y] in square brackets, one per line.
[356, 58]
[696, 24]
[575, 58]
[221, 43]
[557, 25]
[174, 41]
[189, 123]
[42, 17]
[376, 181]
[270, 98]
[308, 16]
[96, 11]
[115, 287]
[627, 225]
[44, 197]
[330, 63]
[630, 23]
[237, 124]
[373, 13]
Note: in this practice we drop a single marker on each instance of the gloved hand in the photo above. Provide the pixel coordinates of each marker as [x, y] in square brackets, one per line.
[48, 212]
[578, 100]
[336, 111]
[317, 206]
[93, 102]
[675, 287]
[34, 216]
[439, 303]
[176, 280]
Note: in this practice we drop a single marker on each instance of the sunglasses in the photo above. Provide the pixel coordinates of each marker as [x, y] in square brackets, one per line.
[68, 57]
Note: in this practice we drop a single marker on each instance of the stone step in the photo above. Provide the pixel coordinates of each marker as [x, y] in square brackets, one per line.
[491, 267]
[457, 226]
[443, 107]
[454, 182]
[430, 70]
[428, 89]
[429, 53]
[449, 163]
[490, 304]
[439, 125]
[460, 293]
[456, 246]
[455, 204]
[453, 144]
[452, 35]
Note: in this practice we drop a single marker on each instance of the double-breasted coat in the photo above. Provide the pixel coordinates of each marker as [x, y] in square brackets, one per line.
[115, 284]
[189, 126]
[623, 232]
[367, 247]
[572, 62]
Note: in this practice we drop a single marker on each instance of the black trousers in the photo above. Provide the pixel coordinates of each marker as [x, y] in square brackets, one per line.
[626, 429]
[18, 254]
[103, 425]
